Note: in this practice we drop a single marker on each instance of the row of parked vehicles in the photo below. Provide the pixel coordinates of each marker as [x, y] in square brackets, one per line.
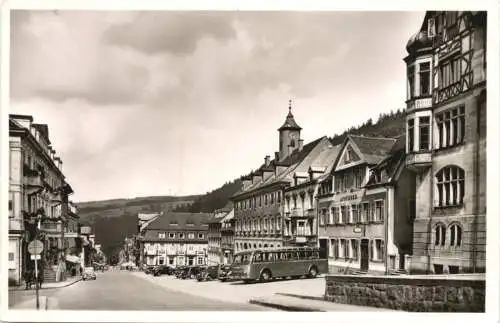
[255, 265]
[201, 273]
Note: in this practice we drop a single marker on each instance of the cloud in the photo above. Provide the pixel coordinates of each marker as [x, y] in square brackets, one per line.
[173, 32]
[147, 102]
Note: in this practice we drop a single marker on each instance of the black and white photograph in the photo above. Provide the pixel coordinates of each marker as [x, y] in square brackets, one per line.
[203, 163]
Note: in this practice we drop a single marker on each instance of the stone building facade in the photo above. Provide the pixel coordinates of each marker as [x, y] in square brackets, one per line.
[176, 239]
[363, 204]
[227, 237]
[38, 191]
[446, 141]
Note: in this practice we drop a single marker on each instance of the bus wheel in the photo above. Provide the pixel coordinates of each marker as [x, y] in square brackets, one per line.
[313, 272]
[265, 276]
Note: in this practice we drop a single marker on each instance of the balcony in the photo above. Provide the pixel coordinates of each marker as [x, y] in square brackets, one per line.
[311, 213]
[297, 213]
[33, 180]
[418, 161]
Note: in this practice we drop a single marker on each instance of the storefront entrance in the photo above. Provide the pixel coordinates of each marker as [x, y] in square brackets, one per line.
[365, 254]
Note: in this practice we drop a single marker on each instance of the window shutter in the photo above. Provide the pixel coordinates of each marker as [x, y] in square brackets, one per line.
[382, 249]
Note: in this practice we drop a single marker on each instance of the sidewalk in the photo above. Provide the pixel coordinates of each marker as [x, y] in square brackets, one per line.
[69, 281]
[300, 303]
[30, 304]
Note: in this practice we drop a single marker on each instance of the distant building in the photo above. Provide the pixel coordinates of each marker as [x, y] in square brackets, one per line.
[300, 226]
[176, 239]
[227, 237]
[37, 189]
[446, 141]
[215, 254]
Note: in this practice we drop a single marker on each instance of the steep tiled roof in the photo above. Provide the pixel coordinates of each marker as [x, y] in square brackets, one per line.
[374, 149]
[181, 221]
[298, 155]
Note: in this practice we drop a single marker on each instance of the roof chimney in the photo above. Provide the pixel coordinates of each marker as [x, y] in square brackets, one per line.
[301, 144]
[267, 160]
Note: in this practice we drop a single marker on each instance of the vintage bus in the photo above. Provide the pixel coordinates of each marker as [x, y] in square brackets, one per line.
[267, 264]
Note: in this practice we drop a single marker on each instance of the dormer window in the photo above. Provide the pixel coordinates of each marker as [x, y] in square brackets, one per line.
[292, 143]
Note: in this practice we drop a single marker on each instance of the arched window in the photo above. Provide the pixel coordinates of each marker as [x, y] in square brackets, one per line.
[455, 235]
[439, 234]
[450, 182]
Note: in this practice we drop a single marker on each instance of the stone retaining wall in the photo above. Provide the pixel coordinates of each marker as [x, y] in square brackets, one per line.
[409, 293]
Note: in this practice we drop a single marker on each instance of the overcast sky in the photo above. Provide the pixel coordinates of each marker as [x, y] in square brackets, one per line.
[156, 103]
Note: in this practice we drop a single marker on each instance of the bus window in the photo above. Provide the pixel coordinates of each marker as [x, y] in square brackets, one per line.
[257, 257]
[241, 259]
[300, 255]
[315, 255]
[292, 256]
[283, 256]
[272, 256]
[307, 254]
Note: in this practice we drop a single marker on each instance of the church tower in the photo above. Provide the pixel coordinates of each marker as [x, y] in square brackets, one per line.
[289, 135]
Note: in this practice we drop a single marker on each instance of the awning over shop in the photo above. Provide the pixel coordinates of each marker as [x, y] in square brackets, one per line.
[73, 259]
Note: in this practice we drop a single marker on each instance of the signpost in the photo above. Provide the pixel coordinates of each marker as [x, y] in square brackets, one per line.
[35, 248]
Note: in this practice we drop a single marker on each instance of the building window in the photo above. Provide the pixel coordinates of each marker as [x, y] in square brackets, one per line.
[342, 248]
[161, 261]
[455, 235]
[279, 197]
[379, 211]
[11, 256]
[344, 214]
[377, 249]
[181, 235]
[322, 218]
[449, 72]
[439, 234]
[358, 177]
[411, 138]
[411, 82]
[353, 213]
[451, 127]
[365, 213]
[161, 235]
[450, 186]
[201, 236]
[354, 249]
[335, 215]
[424, 125]
[425, 78]
[190, 235]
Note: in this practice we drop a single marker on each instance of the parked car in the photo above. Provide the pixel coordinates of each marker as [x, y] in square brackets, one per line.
[190, 272]
[162, 270]
[208, 273]
[149, 269]
[225, 273]
[179, 271]
[89, 274]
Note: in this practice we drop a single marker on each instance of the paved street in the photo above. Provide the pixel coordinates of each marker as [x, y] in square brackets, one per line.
[238, 292]
[120, 290]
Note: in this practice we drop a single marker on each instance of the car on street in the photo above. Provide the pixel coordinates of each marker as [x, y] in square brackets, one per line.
[208, 273]
[89, 274]
[190, 272]
[162, 270]
[225, 273]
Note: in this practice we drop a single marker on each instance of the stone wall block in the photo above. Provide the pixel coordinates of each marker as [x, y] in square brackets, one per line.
[452, 295]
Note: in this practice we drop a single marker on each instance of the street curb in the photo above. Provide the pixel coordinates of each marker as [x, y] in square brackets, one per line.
[44, 288]
[313, 298]
[283, 307]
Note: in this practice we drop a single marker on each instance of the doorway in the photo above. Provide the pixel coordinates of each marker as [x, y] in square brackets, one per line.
[365, 253]
[323, 248]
